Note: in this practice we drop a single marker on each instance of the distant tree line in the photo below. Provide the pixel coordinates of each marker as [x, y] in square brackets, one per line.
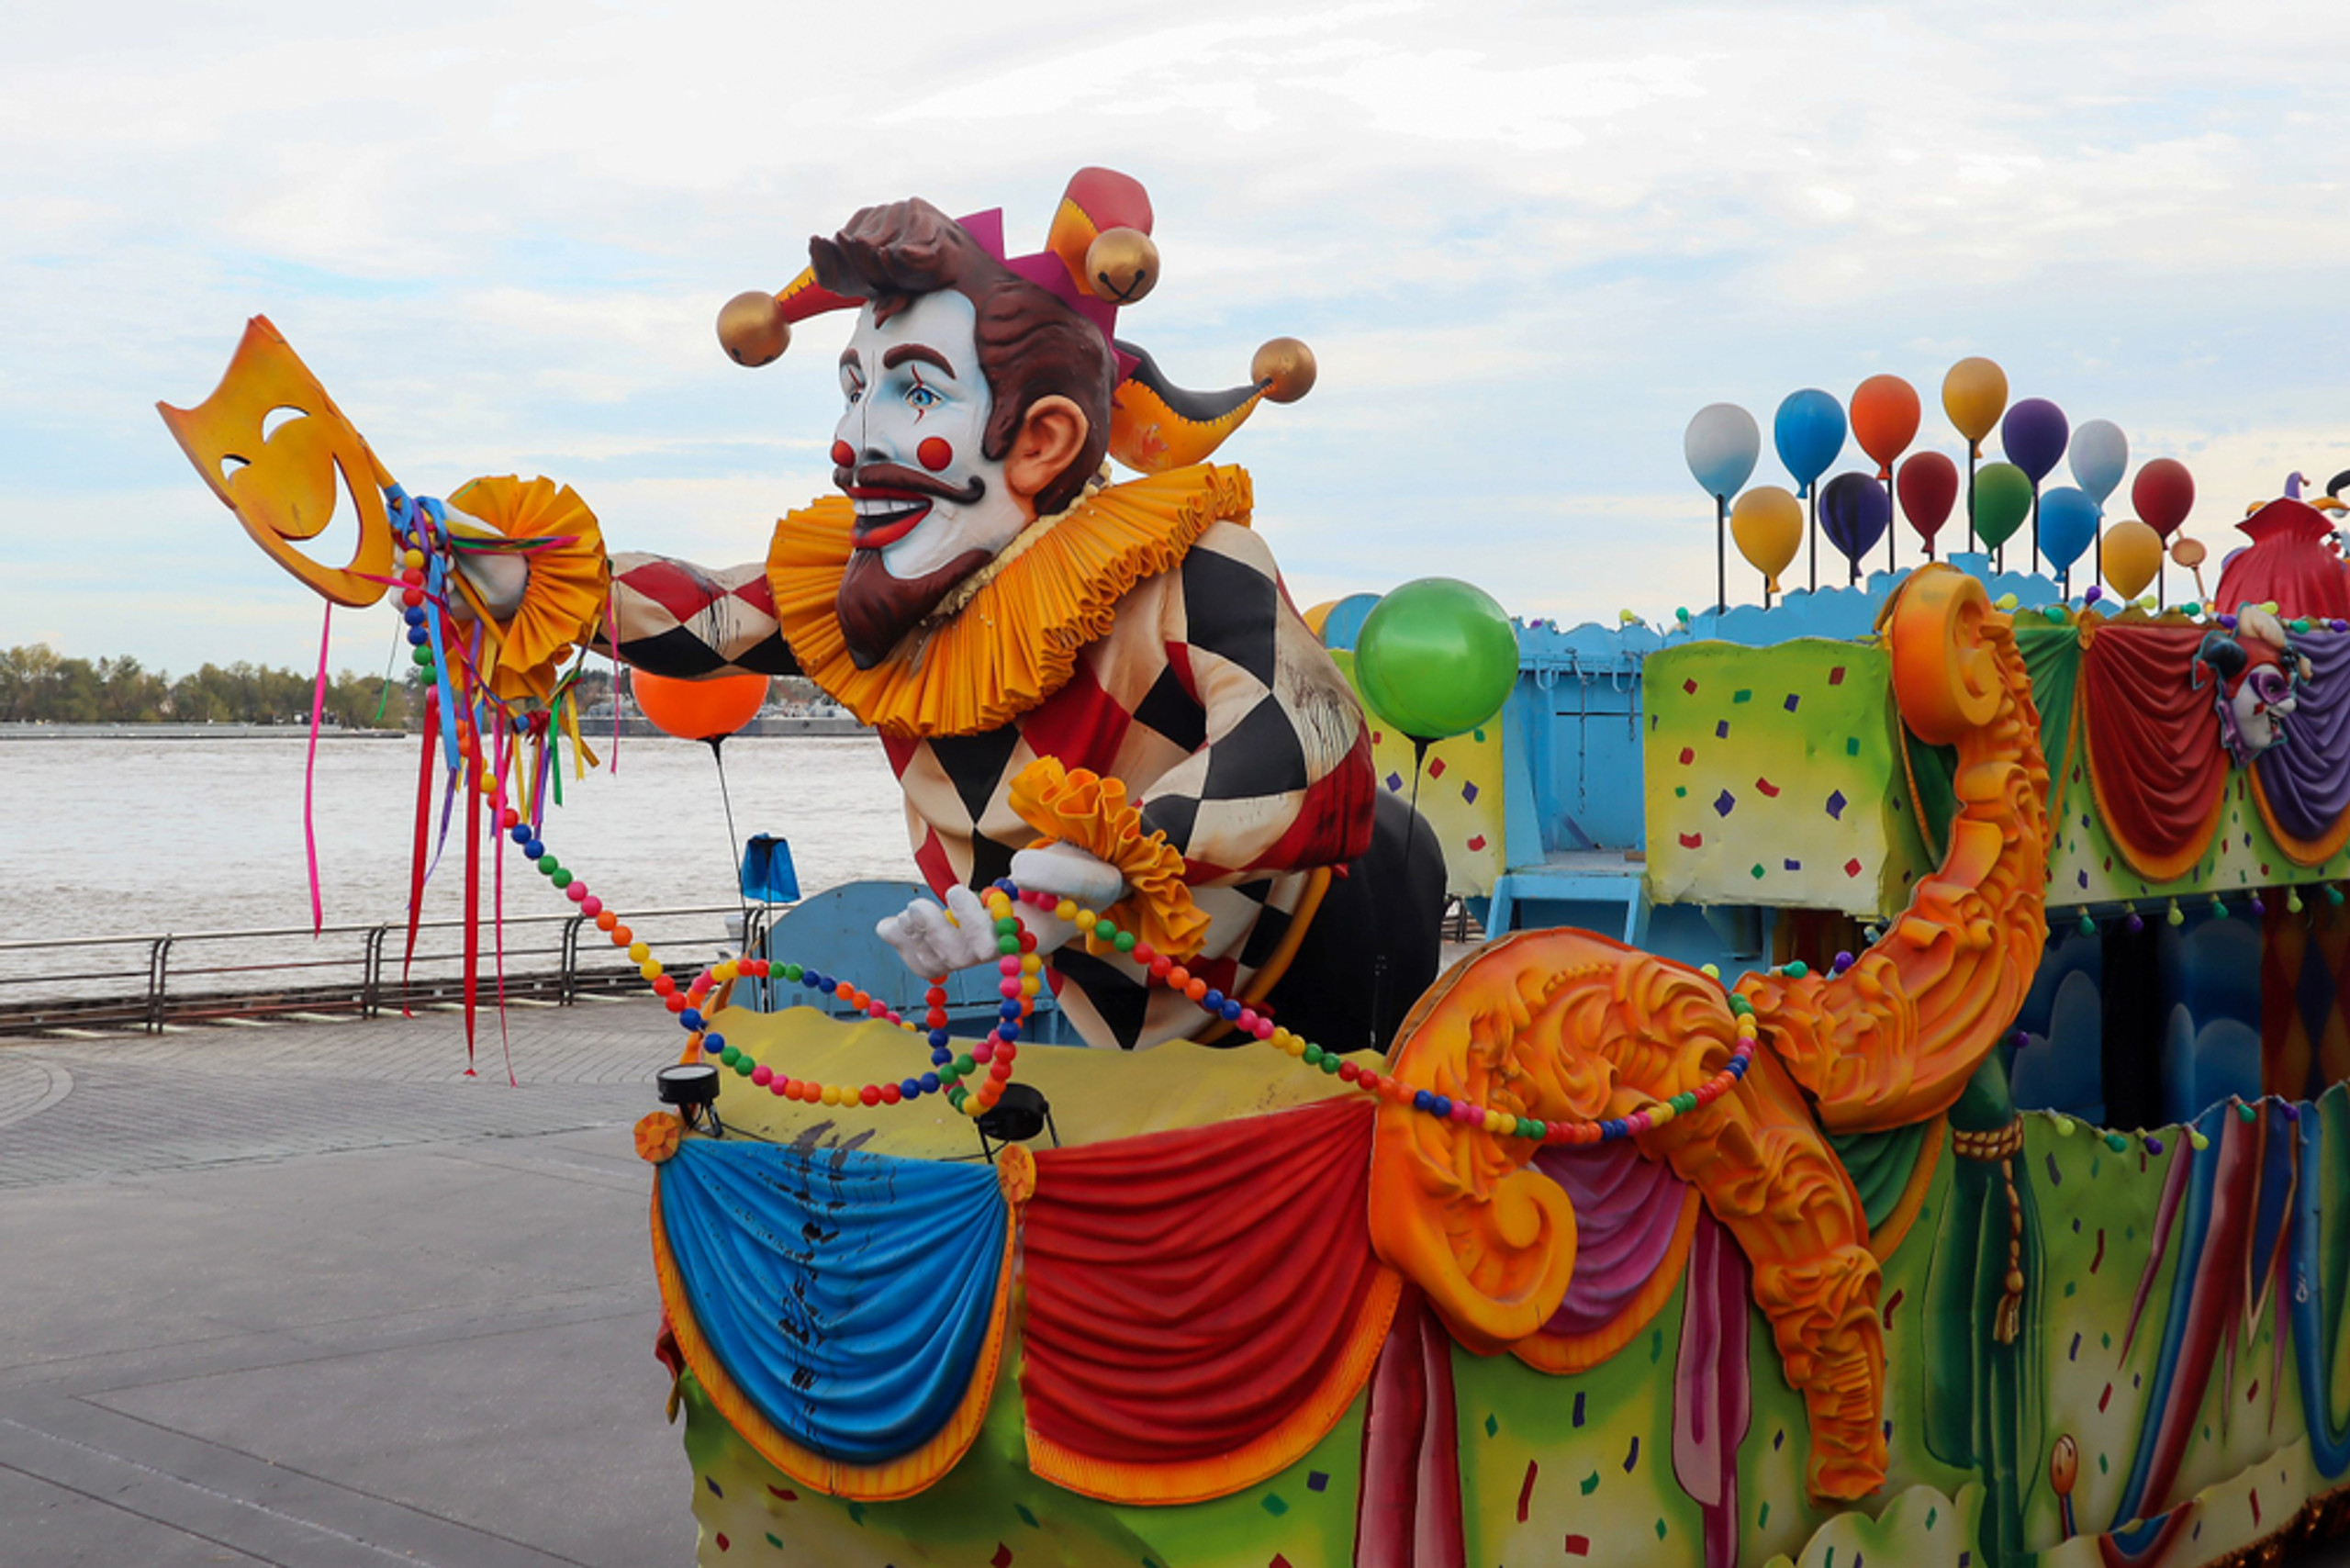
[39, 685]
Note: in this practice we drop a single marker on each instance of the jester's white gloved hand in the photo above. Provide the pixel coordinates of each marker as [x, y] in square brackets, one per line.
[934, 941]
[1073, 874]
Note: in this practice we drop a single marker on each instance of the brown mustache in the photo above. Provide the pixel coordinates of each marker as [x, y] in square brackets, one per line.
[895, 476]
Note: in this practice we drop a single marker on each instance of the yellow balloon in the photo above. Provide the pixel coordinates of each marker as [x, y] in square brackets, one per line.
[1975, 394]
[1767, 522]
[2133, 552]
[1319, 616]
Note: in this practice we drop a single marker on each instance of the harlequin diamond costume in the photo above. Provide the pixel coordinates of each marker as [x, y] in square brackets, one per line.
[1052, 655]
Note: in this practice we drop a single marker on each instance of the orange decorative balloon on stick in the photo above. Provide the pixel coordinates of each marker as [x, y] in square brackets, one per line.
[707, 710]
[1884, 420]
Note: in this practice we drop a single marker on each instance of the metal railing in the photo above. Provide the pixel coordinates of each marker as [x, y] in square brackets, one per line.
[250, 974]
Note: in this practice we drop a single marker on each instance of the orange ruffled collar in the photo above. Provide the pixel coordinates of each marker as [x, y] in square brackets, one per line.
[1015, 642]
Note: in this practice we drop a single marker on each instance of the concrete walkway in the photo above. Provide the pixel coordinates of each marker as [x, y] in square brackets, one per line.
[303, 1294]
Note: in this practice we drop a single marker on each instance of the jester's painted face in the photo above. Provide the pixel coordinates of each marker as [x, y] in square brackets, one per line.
[906, 448]
[2265, 698]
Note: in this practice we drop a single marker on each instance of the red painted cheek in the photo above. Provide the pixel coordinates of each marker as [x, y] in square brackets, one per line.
[843, 457]
[934, 453]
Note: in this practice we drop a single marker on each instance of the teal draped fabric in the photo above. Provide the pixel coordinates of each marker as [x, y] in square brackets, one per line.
[2320, 1274]
[1880, 1165]
[847, 1295]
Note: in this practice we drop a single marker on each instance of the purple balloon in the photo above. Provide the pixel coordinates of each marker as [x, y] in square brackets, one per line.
[1853, 512]
[2033, 436]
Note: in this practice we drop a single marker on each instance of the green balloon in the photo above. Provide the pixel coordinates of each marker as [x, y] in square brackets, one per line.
[1436, 657]
[2002, 500]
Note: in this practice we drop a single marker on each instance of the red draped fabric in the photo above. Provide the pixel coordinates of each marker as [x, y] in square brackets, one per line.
[1203, 1305]
[2156, 761]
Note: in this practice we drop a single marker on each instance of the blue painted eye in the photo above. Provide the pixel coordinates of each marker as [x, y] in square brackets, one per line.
[922, 398]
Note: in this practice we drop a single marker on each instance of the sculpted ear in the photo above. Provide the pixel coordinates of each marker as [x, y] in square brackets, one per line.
[1051, 436]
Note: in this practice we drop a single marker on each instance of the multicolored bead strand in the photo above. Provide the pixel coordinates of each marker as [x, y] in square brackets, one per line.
[1019, 970]
[1160, 969]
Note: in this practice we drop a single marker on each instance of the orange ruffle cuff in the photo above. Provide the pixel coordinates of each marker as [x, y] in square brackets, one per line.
[1015, 642]
[1091, 812]
[569, 577]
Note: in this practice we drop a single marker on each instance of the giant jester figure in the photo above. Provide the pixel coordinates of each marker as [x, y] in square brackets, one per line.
[1046, 653]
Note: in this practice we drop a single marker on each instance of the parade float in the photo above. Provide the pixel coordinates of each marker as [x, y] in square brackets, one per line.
[1892, 1115]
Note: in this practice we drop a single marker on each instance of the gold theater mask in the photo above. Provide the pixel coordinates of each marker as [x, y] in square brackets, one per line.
[280, 482]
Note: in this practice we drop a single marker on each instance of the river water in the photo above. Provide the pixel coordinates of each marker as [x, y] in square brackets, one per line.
[102, 837]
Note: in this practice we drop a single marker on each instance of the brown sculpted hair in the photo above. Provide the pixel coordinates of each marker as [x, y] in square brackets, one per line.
[1031, 345]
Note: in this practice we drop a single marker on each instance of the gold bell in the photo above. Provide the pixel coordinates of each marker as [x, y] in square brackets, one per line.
[1285, 369]
[1122, 265]
[2063, 1465]
[752, 330]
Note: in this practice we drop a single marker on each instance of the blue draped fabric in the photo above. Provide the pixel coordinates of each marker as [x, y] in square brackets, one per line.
[847, 1295]
[2190, 1239]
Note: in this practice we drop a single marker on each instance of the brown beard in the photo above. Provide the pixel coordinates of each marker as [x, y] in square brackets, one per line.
[877, 610]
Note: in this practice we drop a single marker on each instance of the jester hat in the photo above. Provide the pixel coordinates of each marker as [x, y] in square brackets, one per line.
[1098, 256]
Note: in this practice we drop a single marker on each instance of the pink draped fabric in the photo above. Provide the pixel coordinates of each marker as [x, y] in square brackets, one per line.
[1627, 1209]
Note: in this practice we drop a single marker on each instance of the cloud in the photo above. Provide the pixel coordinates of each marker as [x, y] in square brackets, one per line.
[1527, 243]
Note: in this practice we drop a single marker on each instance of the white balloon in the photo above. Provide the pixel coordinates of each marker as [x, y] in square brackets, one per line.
[2100, 455]
[1722, 442]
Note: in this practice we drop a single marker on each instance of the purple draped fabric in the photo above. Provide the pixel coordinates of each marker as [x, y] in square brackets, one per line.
[1626, 1209]
[2306, 774]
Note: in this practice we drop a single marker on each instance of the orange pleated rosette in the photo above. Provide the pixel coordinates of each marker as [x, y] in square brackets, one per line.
[659, 1134]
[1014, 642]
[1091, 812]
[569, 576]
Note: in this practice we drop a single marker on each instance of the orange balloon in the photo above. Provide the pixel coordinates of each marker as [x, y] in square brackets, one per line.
[1884, 420]
[706, 709]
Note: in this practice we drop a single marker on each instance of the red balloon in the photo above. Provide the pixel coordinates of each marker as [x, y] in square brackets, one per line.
[2163, 494]
[1929, 489]
[1884, 420]
[706, 709]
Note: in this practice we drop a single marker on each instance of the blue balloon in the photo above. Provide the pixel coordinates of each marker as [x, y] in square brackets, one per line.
[1344, 623]
[1809, 433]
[1721, 446]
[1853, 512]
[2101, 457]
[2067, 524]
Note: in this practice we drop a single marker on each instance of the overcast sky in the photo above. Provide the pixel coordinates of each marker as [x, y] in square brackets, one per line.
[1527, 243]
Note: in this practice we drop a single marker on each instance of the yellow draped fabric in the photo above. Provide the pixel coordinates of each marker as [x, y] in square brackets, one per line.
[1015, 641]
